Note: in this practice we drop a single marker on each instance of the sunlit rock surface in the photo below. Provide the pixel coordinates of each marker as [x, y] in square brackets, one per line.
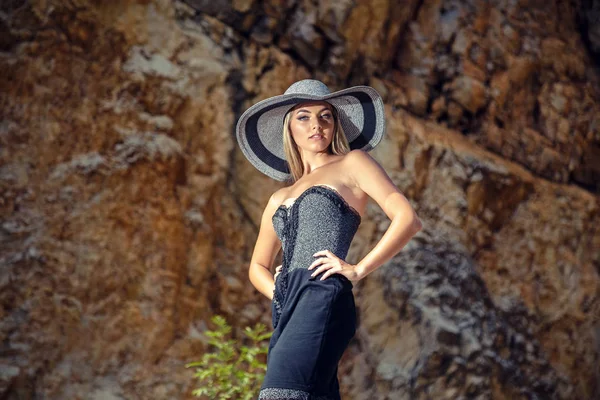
[128, 214]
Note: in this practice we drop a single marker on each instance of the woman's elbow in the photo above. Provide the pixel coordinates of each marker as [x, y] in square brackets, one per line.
[416, 224]
[252, 272]
[410, 221]
[255, 270]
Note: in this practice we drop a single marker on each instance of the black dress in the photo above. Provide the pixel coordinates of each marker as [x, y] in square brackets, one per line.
[313, 320]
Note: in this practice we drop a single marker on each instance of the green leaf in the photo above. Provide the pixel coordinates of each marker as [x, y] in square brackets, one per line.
[231, 370]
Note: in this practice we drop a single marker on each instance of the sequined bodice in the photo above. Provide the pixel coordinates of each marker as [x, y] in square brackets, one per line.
[319, 219]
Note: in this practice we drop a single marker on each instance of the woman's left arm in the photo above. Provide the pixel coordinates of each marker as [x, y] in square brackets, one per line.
[367, 174]
[373, 180]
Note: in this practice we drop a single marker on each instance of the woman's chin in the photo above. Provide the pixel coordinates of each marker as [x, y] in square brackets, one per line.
[317, 146]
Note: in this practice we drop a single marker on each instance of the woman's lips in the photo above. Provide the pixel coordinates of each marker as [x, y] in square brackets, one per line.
[316, 137]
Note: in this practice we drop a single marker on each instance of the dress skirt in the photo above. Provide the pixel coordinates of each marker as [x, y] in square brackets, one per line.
[312, 330]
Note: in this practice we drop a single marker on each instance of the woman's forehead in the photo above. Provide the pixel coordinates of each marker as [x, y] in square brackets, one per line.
[316, 104]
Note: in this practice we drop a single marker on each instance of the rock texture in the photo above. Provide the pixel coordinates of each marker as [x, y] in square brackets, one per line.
[475, 298]
[128, 214]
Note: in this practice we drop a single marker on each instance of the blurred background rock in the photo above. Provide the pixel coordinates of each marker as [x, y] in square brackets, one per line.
[128, 213]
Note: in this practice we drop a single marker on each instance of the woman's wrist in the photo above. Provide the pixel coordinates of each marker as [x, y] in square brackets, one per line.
[360, 271]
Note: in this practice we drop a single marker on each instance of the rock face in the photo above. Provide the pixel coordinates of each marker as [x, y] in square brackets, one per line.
[469, 306]
[128, 214]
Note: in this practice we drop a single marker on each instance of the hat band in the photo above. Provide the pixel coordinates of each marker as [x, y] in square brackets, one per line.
[364, 139]
[281, 165]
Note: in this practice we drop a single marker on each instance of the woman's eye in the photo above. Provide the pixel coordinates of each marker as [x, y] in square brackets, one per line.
[326, 116]
[303, 118]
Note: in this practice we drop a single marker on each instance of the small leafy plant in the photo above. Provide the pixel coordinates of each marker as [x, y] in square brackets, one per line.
[232, 371]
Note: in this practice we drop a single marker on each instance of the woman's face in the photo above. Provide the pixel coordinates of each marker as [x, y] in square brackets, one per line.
[312, 126]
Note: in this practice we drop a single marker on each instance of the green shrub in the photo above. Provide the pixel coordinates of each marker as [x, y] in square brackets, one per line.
[232, 371]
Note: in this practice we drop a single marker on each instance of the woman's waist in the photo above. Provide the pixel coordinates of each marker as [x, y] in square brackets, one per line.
[300, 274]
[303, 257]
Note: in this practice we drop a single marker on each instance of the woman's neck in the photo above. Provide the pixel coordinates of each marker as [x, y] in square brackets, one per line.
[316, 161]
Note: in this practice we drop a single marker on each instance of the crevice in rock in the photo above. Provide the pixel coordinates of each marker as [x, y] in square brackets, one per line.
[588, 22]
[402, 33]
[238, 96]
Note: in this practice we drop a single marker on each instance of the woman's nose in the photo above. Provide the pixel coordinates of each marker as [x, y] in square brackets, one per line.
[317, 125]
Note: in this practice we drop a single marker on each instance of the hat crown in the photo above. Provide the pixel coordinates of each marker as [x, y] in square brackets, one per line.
[308, 86]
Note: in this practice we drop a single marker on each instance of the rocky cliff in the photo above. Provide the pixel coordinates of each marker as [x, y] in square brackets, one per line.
[128, 214]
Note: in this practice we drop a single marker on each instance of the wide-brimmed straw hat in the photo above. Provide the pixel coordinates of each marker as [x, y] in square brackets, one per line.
[259, 130]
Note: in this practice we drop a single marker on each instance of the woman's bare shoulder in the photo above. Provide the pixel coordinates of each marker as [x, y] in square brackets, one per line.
[356, 162]
[279, 196]
[356, 155]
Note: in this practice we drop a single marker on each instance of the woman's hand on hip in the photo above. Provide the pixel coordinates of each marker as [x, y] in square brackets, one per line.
[332, 264]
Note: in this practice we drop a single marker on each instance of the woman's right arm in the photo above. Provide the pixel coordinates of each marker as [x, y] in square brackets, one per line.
[265, 250]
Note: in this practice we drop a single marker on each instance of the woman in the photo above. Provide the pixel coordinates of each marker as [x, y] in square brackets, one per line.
[323, 152]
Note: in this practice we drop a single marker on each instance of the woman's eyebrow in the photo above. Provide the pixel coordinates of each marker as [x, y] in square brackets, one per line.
[303, 110]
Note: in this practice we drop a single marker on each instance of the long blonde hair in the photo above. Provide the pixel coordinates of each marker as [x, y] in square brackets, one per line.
[339, 144]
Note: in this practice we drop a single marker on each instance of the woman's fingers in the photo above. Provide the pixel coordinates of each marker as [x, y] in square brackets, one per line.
[277, 271]
[325, 261]
[318, 262]
[327, 269]
[330, 272]
[328, 263]
[325, 253]
[320, 269]
[324, 256]
[331, 266]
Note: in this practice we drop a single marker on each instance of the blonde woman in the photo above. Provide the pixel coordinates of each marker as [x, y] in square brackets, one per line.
[318, 142]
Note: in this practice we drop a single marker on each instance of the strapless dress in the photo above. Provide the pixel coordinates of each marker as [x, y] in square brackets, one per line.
[313, 320]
